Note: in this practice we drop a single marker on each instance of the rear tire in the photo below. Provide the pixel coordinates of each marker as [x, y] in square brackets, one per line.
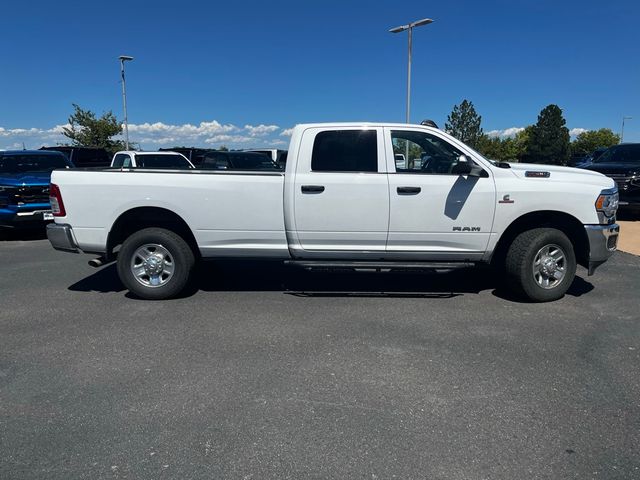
[155, 264]
[540, 265]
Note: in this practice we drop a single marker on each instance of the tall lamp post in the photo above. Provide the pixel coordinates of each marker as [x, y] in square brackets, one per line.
[125, 58]
[622, 132]
[410, 27]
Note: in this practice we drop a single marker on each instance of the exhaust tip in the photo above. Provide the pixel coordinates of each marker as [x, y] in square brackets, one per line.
[96, 262]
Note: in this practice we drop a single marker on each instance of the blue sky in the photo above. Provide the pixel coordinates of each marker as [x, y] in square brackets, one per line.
[242, 73]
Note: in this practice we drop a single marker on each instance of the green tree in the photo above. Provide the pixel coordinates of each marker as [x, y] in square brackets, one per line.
[464, 124]
[490, 147]
[549, 138]
[85, 130]
[588, 141]
[510, 149]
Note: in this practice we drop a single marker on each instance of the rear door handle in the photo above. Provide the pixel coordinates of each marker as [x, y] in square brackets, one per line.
[408, 190]
[312, 188]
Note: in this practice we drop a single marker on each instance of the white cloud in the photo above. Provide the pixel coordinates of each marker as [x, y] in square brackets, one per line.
[260, 130]
[229, 139]
[286, 132]
[153, 135]
[574, 132]
[506, 133]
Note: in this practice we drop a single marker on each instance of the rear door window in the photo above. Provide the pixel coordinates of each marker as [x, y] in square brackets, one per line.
[345, 151]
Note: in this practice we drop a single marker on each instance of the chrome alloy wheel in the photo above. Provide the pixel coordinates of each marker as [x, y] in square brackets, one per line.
[549, 266]
[152, 265]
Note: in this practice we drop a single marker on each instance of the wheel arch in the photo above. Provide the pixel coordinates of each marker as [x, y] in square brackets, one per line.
[138, 218]
[565, 222]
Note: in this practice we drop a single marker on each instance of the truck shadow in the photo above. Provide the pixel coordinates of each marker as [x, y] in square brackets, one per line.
[22, 234]
[248, 276]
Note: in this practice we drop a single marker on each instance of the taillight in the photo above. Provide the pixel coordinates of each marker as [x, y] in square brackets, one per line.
[55, 198]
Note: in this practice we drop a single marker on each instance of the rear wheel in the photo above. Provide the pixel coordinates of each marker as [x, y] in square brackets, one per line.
[540, 264]
[155, 263]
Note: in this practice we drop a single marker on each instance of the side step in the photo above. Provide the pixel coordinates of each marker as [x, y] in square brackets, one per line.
[376, 266]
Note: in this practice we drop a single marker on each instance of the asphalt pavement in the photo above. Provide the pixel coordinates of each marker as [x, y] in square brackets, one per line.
[261, 372]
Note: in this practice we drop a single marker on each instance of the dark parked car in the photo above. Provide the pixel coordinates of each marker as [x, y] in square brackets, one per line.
[275, 154]
[84, 157]
[194, 155]
[591, 157]
[24, 186]
[216, 160]
[622, 164]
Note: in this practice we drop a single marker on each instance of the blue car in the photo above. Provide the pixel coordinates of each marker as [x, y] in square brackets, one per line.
[24, 186]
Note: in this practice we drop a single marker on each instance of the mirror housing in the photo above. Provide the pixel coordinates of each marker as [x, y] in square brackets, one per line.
[467, 167]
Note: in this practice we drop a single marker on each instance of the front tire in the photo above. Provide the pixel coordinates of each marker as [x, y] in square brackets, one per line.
[155, 263]
[540, 264]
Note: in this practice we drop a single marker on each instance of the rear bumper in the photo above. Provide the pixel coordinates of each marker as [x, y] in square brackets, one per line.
[61, 237]
[13, 218]
[603, 241]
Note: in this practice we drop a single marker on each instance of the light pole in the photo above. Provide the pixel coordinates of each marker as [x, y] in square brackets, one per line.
[410, 27]
[124, 58]
[622, 132]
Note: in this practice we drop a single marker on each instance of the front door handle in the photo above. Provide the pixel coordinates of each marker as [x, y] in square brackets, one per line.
[312, 188]
[408, 190]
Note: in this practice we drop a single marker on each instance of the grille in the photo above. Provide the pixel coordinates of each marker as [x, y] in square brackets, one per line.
[621, 180]
[29, 195]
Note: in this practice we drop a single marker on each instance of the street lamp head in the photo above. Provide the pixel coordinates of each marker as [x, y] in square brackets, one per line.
[424, 21]
[399, 29]
[125, 58]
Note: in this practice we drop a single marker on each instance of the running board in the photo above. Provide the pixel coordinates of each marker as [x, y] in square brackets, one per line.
[376, 266]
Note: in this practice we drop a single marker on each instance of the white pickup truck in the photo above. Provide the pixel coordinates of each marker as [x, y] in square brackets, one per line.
[344, 202]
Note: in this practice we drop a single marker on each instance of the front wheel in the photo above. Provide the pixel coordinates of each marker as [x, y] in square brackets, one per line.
[155, 263]
[540, 264]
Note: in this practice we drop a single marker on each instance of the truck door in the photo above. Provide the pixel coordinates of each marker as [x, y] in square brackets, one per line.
[341, 191]
[435, 211]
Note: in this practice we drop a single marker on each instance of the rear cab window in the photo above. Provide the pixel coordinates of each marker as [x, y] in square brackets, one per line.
[121, 160]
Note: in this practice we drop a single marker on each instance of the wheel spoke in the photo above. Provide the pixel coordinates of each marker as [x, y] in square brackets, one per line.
[139, 271]
[168, 269]
[557, 255]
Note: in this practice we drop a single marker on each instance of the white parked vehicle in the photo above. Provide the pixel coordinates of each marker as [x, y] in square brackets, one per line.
[154, 160]
[343, 202]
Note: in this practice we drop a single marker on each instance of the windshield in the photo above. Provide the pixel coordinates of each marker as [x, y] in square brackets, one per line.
[31, 163]
[162, 161]
[621, 154]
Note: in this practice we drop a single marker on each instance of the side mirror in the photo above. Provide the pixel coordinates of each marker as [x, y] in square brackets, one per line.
[466, 167]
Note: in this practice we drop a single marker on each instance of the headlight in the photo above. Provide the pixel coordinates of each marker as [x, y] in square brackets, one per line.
[607, 202]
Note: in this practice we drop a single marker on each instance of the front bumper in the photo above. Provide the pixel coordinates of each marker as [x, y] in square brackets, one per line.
[603, 241]
[60, 236]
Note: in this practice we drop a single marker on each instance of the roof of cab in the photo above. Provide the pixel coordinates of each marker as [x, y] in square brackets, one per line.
[364, 125]
[133, 152]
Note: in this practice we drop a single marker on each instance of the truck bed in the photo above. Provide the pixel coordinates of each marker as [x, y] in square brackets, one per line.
[231, 213]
